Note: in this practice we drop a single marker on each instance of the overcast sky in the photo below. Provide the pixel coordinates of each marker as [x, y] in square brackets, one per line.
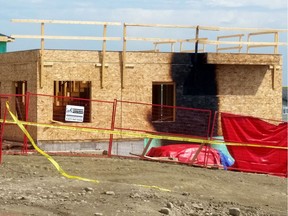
[226, 13]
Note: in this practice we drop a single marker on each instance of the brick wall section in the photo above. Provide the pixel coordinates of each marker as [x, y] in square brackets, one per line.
[248, 90]
[244, 85]
[18, 66]
[243, 59]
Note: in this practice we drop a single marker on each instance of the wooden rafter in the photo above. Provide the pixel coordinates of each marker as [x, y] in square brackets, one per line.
[65, 37]
[65, 22]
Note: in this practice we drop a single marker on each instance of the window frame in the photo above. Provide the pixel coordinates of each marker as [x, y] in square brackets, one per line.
[20, 103]
[65, 94]
[169, 106]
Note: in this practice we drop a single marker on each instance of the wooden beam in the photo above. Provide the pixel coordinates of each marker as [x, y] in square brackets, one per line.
[42, 56]
[172, 47]
[228, 48]
[6, 39]
[148, 39]
[197, 153]
[181, 46]
[260, 33]
[123, 74]
[146, 148]
[65, 37]
[216, 28]
[210, 28]
[3, 39]
[239, 36]
[196, 44]
[276, 40]
[230, 36]
[165, 42]
[155, 47]
[65, 22]
[242, 43]
[172, 43]
[160, 25]
[266, 45]
[190, 40]
[192, 51]
[103, 56]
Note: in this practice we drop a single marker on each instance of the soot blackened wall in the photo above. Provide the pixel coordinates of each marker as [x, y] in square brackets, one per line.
[196, 87]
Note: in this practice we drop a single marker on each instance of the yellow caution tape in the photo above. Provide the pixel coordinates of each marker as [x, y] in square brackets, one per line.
[144, 135]
[62, 172]
[117, 132]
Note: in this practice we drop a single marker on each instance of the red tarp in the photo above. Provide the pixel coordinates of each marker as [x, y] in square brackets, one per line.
[252, 130]
[185, 152]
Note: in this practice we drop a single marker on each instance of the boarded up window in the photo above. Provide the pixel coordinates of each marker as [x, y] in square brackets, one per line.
[163, 99]
[75, 95]
[20, 99]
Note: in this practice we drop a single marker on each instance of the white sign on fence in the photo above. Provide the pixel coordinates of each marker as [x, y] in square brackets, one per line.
[74, 113]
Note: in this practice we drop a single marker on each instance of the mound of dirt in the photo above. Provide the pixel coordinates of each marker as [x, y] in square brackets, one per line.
[30, 185]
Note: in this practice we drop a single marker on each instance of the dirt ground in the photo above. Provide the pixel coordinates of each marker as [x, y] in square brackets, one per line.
[30, 185]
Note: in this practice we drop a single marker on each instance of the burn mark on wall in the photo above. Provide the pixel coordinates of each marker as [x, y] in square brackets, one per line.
[196, 87]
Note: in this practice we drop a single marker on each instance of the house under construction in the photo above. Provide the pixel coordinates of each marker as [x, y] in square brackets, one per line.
[228, 78]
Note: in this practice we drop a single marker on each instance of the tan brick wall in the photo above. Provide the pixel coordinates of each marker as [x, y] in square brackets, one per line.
[244, 84]
[243, 59]
[18, 66]
[80, 66]
[248, 90]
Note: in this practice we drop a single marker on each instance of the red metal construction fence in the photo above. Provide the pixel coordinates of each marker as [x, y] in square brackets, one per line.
[123, 120]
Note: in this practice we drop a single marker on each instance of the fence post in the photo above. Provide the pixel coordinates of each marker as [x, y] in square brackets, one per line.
[112, 127]
[213, 124]
[210, 135]
[25, 142]
[209, 124]
[2, 132]
[207, 152]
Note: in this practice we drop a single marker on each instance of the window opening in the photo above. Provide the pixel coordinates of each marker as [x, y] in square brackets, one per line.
[67, 94]
[163, 95]
[20, 101]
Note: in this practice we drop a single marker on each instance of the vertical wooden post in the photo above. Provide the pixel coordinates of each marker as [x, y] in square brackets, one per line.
[172, 47]
[124, 56]
[155, 47]
[191, 162]
[65, 89]
[146, 148]
[181, 46]
[276, 40]
[23, 89]
[103, 56]
[248, 40]
[25, 141]
[41, 56]
[240, 45]
[2, 130]
[217, 45]
[112, 128]
[56, 99]
[196, 45]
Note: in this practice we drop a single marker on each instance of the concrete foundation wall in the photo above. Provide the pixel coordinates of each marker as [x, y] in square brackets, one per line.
[121, 148]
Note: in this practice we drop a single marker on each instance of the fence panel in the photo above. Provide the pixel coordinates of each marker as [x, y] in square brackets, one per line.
[264, 139]
[160, 119]
[9, 131]
[75, 112]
